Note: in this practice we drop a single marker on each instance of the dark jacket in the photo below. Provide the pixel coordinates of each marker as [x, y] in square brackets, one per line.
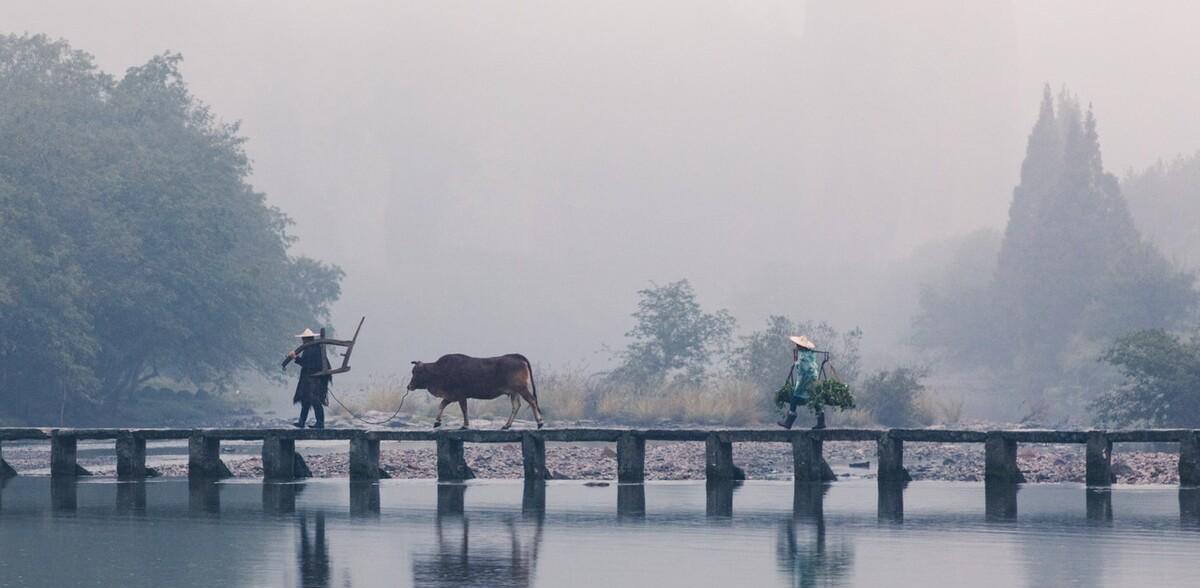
[312, 389]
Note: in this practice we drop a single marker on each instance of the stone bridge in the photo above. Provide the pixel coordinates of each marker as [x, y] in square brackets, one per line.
[280, 459]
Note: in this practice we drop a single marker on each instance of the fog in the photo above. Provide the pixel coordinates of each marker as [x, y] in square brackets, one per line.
[499, 177]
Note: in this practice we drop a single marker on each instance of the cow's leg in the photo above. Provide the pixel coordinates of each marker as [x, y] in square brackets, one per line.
[463, 405]
[516, 407]
[437, 422]
[527, 393]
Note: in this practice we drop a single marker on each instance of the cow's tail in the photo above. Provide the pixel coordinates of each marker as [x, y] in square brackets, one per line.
[529, 366]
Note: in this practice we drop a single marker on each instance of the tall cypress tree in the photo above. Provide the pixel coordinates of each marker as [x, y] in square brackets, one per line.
[1072, 265]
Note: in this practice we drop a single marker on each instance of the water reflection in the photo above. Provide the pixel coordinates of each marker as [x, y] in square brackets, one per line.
[631, 501]
[1000, 502]
[1099, 505]
[718, 498]
[364, 499]
[312, 555]
[891, 501]
[131, 497]
[803, 552]
[204, 497]
[64, 495]
[493, 554]
[451, 498]
[533, 498]
[280, 498]
[1189, 507]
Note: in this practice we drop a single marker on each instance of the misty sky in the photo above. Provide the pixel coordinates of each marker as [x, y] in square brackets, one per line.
[503, 176]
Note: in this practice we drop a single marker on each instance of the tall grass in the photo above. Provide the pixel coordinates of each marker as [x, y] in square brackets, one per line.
[573, 395]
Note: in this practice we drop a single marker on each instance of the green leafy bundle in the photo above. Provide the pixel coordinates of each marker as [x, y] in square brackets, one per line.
[824, 393]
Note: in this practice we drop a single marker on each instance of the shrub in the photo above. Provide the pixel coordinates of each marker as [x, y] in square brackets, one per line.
[895, 397]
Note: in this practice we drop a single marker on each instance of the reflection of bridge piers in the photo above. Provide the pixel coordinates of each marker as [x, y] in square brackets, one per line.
[718, 498]
[631, 501]
[364, 499]
[204, 497]
[891, 501]
[1099, 505]
[280, 498]
[131, 497]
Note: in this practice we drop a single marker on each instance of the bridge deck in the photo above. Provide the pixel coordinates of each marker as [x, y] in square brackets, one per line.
[607, 434]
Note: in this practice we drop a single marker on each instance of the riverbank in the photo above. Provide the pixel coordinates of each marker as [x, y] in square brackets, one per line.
[760, 461]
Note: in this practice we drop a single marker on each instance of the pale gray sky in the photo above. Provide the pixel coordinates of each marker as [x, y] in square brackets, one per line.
[498, 176]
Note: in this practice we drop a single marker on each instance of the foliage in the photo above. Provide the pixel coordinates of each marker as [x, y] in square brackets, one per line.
[1162, 381]
[1164, 205]
[831, 393]
[764, 357]
[1072, 267]
[894, 397]
[673, 338]
[136, 251]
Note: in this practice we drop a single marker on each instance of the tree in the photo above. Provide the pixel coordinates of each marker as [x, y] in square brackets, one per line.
[1071, 270]
[673, 338]
[893, 397]
[1162, 381]
[1165, 201]
[140, 251]
[764, 357]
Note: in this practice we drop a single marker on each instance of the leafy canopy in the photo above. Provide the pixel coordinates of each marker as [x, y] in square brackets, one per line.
[672, 337]
[136, 250]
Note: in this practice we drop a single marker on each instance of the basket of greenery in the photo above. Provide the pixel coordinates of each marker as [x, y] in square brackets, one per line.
[831, 393]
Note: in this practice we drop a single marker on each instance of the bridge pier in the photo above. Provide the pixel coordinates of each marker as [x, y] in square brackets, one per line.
[278, 459]
[718, 459]
[452, 461]
[6, 471]
[204, 459]
[1000, 461]
[131, 457]
[808, 463]
[890, 452]
[364, 459]
[1189, 459]
[631, 459]
[1099, 460]
[533, 451]
[62, 457]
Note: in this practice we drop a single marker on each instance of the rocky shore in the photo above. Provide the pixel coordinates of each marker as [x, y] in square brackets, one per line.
[760, 461]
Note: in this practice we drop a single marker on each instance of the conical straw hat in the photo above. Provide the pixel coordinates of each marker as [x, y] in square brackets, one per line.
[306, 333]
[803, 341]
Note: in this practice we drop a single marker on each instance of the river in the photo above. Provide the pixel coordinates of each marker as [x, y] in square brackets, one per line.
[328, 533]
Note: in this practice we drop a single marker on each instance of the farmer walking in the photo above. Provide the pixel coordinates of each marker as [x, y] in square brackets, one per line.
[312, 390]
[803, 376]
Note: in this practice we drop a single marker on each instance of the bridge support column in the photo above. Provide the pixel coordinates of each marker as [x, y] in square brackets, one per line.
[204, 459]
[364, 458]
[1189, 459]
[533, 450]
[718, 458]
[891, 460]
[62, 457]
[631, 459]
[1000, 461]
[808, 464]
[1099, 460]
[6, 471]
[131, 457]
[279, 459]
[452, 461]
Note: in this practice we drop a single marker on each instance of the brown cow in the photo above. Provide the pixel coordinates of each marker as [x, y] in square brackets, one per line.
[457, 377]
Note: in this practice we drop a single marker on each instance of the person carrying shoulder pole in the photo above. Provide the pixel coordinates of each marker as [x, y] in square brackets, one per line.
[312, 391]
[803, 377]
